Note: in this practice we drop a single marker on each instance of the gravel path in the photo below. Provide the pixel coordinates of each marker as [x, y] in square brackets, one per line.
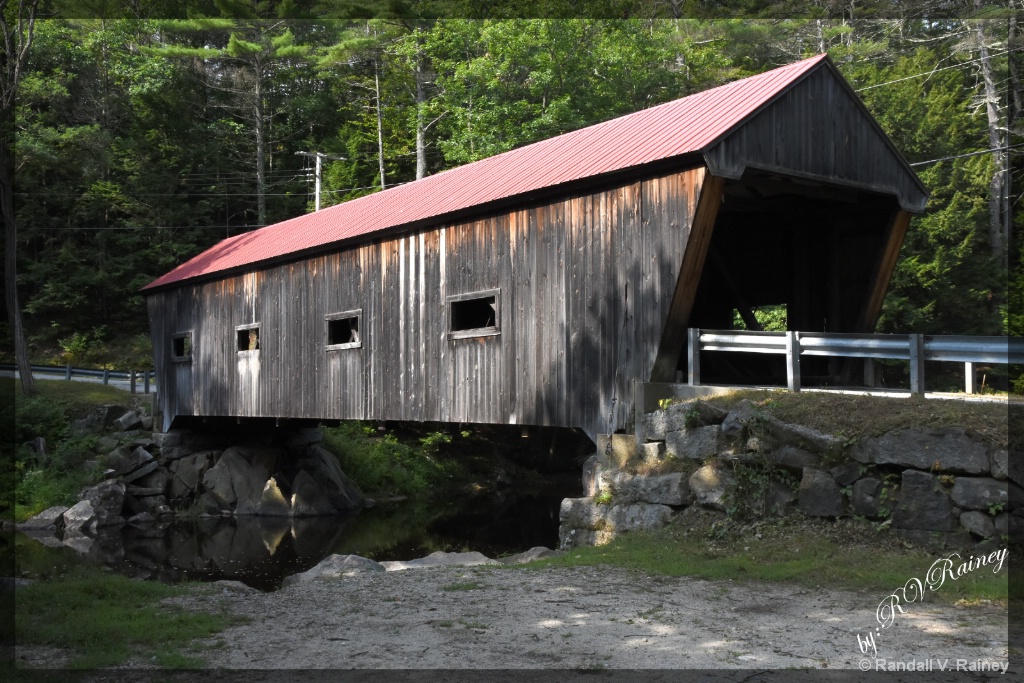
[588, 617]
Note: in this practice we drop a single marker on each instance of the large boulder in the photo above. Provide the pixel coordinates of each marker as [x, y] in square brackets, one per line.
[1000, 464]
[129, 463]
[79, 517]
[129, 421]
[820, 495]
[107, 501]
[978, 523]
[342, 493]
[157, 480]
[871, 498]
[981, 493]
[848, 472]
[710, 484]
[584, 522]
[335, 567]
[581, 513]
[792, 458]
[663, 489]
[239, 477]
[187, 472]
[50, 519]
[440, 559]
[700, 443]
[308, 498]
[734, 426]
[637, 517]
[803, 437]
[679, 416]
[923, 504]
[945, 450]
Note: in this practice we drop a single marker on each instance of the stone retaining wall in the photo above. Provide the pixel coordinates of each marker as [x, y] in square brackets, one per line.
[932, 486]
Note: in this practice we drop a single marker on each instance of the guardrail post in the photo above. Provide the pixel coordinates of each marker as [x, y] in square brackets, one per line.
[693, 359]
[145, 382]
[969, 377]
[793, 360]
[67, 373]
[869, 372]
[917, 364]
[106, 375]
[131, 380]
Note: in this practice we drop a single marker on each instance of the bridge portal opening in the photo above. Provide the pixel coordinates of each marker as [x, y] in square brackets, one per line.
[789, 254]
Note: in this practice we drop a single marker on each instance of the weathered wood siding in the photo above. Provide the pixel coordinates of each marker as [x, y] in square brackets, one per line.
[585, 284]
[819, 129]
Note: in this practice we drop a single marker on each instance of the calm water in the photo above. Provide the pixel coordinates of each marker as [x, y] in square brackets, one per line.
[261, 552]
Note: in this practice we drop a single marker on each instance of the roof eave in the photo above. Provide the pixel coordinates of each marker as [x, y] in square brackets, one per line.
[680, 162]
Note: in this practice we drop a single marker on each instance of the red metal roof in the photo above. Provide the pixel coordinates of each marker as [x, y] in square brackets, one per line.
[682, 126]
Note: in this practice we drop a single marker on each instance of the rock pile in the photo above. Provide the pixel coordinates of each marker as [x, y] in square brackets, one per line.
[152, 476]
[933, 486]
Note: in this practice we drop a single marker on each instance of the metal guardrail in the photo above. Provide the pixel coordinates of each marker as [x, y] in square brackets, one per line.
[131, 376]
[914, 348]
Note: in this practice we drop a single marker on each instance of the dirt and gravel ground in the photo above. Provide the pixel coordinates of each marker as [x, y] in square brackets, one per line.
[585, 617]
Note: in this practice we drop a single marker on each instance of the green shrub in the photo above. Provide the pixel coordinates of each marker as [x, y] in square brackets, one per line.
[38, 481]
[384, 464]
[39, 416]
[40, 488]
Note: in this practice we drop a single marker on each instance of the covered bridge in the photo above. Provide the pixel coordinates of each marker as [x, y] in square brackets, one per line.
[538, 286]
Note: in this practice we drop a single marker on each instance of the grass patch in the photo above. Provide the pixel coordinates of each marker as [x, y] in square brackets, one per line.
[858, 417]
[107, 619]
[847, 555]
[78, 399]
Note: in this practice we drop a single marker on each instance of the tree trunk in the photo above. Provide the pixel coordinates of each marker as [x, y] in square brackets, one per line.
[15, 55]
[997, 186]
[1016, 100]
[421, 101]
[261, 145]
[11, 260]
[380, 123]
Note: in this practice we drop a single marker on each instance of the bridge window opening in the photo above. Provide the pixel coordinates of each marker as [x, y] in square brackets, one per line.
[248, 337]
[343, 330]
[473, 315]
[181, 347]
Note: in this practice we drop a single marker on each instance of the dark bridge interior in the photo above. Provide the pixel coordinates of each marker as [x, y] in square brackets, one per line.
[810, 247]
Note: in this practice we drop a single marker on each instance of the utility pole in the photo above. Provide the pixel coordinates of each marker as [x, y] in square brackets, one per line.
[320, 156]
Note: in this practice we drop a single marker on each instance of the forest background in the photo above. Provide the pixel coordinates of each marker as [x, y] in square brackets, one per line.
[145, 132]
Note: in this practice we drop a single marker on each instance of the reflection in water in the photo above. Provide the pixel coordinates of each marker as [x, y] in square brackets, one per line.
[262, 551]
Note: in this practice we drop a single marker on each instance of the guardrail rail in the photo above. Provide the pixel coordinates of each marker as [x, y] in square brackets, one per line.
[914, 348]
[131, 376]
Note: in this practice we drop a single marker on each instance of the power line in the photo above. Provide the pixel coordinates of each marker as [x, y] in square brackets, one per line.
[969, 154]
[152, 227]
[933, 71]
